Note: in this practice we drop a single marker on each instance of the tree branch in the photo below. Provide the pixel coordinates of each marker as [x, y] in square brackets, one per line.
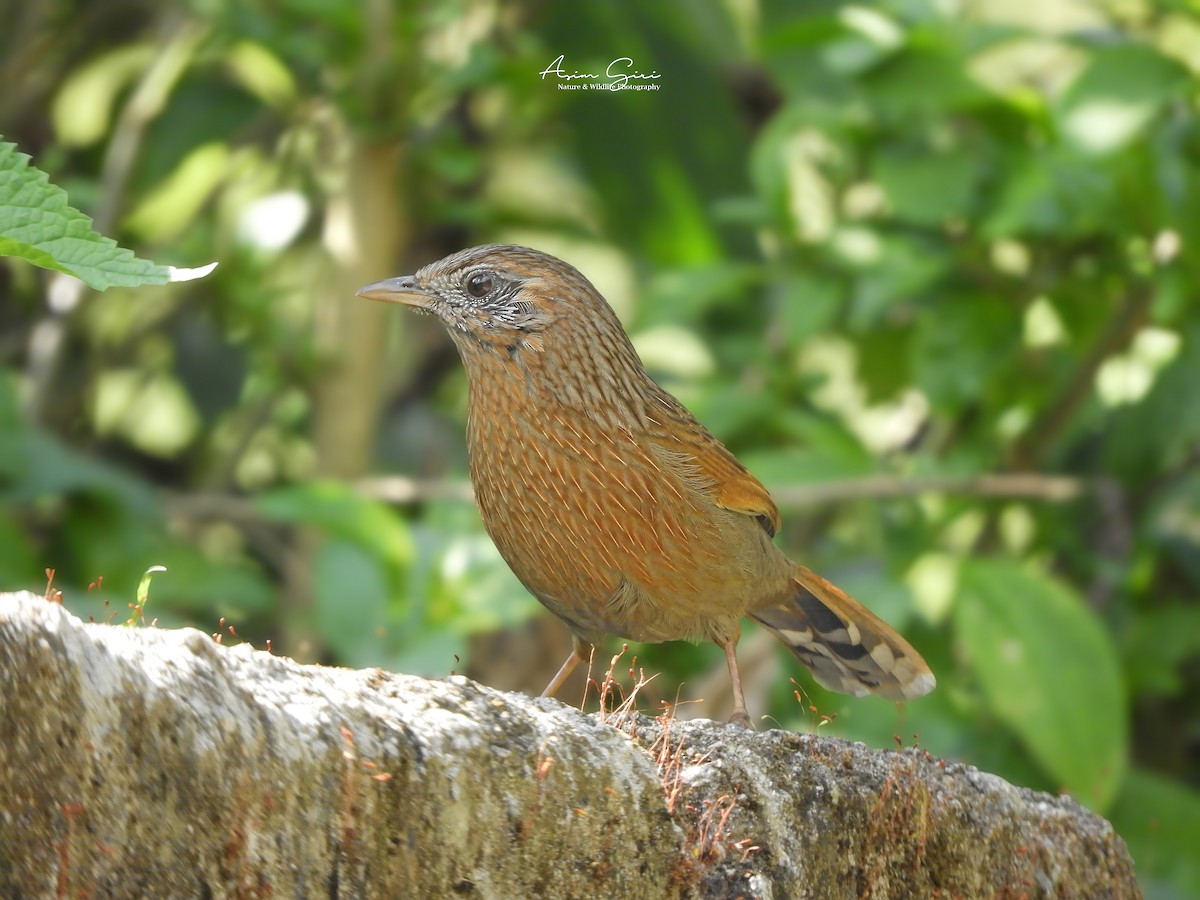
[1003, 485]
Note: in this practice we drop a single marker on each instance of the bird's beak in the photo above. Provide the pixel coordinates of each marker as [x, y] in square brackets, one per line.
[403, 289]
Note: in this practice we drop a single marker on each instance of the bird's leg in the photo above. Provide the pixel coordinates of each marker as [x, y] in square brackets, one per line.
[740, 716]
[577, 656]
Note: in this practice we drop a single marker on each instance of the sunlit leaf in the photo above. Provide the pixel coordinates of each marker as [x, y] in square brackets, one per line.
[83, 104]
[173, 205]
[1116, 96]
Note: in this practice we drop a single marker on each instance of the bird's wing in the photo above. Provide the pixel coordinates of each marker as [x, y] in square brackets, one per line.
[703, 462]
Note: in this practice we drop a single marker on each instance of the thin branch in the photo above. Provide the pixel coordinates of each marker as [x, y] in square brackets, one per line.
[401, 491]
[1000, 485]
[210, 506]
[1003, 485]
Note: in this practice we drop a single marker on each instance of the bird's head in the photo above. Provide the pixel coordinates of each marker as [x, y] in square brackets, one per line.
[524, 319]
[497, 296]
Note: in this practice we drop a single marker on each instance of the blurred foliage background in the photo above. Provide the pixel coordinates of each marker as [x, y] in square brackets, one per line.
[925, 265]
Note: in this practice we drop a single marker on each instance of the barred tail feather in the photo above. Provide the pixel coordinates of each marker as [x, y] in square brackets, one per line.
[847, 647]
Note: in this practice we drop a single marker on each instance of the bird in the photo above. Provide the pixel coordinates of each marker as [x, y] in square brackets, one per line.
[609, 501]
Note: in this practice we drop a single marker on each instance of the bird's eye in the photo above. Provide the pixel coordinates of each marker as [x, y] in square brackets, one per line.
[480, 284]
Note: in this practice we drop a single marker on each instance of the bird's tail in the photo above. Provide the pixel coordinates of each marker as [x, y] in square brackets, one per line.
[848, 648]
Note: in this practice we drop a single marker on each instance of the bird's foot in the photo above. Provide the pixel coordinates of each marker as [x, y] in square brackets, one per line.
[741, 717]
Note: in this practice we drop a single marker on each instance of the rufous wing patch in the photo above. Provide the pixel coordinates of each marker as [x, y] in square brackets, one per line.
[704, 462]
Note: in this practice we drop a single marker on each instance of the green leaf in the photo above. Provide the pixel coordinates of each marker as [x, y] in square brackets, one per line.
[351, 593]
[1050, 192]
[40, 466]
[37, 225]
[1049, 671]
[1159, 818]
[203, 582]
[680, 296]
[18, 559]
[84, 101]
[143, 591]
[808, 304]
[1157, 644]
[1116, 96]
[889, 270]
[961, 343]
[928, 79]
[928, 188]
[338, 510]
[174, 204]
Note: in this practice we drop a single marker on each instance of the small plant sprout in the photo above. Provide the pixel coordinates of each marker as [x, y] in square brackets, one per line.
[143, 594]
[799, 694]
[53, 594]
[218, 635]
[612, 712]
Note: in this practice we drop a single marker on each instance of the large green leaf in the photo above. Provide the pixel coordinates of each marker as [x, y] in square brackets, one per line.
[1049, 670]
[37, 225]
